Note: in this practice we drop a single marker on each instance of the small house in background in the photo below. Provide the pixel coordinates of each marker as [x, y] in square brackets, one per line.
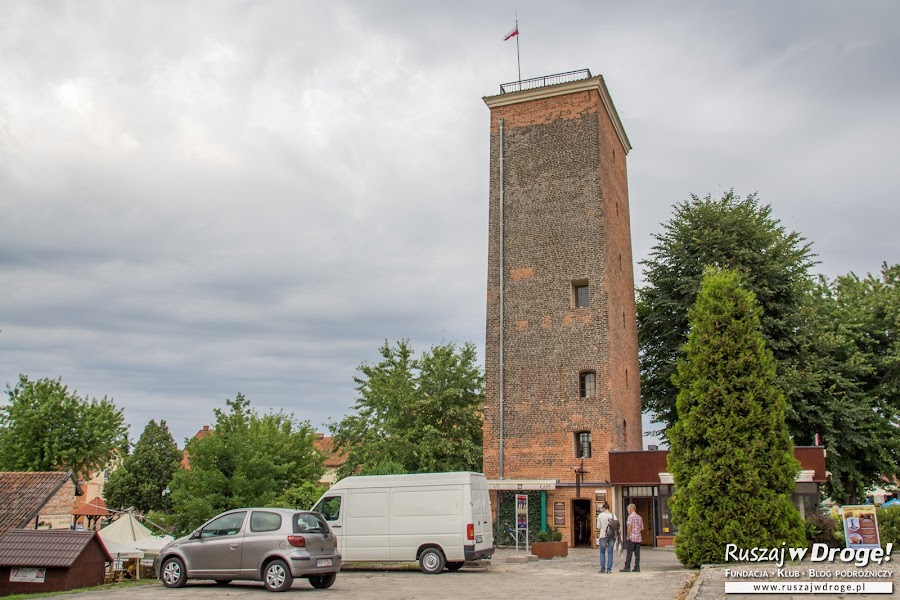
[93, 486]
[40, 561]
[39, 500]
[333, 460]
[185, 458]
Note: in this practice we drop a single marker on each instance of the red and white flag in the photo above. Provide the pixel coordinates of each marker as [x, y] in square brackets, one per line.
[512, 33]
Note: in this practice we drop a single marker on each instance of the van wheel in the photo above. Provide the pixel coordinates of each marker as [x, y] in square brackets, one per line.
[455, 566]
[277, 576]
[431, 561]
[322, 582]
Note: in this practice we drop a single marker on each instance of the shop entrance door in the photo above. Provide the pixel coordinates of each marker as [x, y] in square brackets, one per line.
[643, 498]
[643, 507]
[581, 523]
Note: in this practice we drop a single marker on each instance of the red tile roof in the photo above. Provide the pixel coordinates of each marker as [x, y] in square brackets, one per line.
[45, 547]
[93, 508]
[324, 446]
[23, 495]
[186, 458]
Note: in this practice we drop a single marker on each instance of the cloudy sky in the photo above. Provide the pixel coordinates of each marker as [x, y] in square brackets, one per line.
[205, 198]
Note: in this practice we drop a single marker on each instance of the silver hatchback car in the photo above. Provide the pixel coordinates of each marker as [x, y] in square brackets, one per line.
[272, 545]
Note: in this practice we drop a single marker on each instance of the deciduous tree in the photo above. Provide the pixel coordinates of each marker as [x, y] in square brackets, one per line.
[46, 427]
[733, 233]
[415, 415]
[246, 460]
[851, 390]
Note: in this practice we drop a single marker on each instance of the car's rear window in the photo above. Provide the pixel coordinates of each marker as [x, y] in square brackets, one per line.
[264, 521]
[309, 523]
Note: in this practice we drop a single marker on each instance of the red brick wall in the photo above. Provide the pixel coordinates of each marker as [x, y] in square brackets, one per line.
[566, 219]
[61, 503]
[562, 187]
[624, 382]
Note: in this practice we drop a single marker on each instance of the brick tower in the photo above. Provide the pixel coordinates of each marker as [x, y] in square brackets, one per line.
[564, 280]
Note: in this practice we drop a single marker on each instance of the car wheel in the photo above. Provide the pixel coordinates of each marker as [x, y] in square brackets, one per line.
[323, 582]
[455, 566]
[173, 574]
[223, 581]
[277, 576]
[431, 561]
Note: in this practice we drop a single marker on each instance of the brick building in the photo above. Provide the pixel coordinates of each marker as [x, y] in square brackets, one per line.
[38, 500]
[560, 275]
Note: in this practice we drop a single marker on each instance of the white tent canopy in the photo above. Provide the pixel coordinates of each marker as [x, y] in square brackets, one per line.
[127, 532]
[122, 551]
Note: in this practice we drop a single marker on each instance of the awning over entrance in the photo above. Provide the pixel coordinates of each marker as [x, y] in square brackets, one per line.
[650, 467]
[523, 485]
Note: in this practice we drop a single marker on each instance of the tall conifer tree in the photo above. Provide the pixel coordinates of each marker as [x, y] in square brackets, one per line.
[731, 455]
[144, 474]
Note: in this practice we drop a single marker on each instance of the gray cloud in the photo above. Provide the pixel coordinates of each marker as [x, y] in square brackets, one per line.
[202, 198]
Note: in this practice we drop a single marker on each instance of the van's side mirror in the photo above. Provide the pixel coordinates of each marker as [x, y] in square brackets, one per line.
[195, 534]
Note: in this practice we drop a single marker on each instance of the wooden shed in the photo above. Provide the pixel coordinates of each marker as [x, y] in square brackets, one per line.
[50, 560]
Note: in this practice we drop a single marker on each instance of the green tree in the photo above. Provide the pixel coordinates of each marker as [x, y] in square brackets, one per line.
[144, 474]
[45, 427]
[731, 233]
[246, 460]
[731, 455]
[850, 393]
[415, 415]
[301, 496]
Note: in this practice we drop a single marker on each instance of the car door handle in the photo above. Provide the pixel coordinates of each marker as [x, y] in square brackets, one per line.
[235, 546]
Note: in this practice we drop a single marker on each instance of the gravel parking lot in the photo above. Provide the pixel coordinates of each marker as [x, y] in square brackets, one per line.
[577, 576]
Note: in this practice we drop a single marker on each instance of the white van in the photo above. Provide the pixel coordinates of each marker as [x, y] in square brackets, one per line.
[438, 519]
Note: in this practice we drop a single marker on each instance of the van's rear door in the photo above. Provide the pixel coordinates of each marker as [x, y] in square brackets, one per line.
[481, 514]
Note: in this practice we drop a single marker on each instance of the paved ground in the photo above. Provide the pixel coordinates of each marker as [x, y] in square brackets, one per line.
[577, 576]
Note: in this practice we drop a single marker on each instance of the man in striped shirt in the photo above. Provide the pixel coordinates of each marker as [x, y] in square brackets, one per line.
[633, 539]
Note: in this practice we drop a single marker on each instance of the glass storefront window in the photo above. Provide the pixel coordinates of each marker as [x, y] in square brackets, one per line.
[665, 515]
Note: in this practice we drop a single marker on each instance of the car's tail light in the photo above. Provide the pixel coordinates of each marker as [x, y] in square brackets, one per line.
[297, 541]
[470, 531]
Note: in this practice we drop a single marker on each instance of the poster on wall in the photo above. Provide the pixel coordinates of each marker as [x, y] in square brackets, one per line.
[27, 575]
[521, 511]
[860, 527]
[559, 514]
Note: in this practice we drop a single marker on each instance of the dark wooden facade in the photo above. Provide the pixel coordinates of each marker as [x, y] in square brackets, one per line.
[71, 559]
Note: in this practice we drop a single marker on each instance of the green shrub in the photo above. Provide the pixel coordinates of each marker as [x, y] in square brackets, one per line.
[889, 525]
[555, 535]
[820, 529]
[730, 452]
[542, 536]
[505, 524]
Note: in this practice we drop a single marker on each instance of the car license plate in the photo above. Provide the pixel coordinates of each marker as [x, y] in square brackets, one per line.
[323, 562]
[479, 539]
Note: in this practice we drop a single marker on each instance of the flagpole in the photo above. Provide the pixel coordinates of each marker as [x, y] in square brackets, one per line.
[518, 57]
